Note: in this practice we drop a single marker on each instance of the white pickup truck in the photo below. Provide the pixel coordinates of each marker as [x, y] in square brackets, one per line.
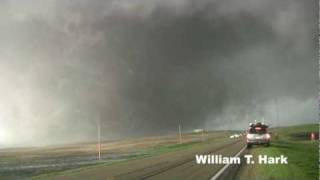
[258, 134]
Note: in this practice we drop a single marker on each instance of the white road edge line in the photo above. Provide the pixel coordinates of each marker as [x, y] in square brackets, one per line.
[216, 176]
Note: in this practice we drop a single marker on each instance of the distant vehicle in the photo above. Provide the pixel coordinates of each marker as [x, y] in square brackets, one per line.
[234, 136]
[258, 134]
[198, 130]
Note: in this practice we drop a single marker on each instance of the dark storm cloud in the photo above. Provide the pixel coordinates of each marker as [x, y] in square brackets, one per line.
[140, 67]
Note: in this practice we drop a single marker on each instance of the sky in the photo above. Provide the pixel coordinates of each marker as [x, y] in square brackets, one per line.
[141, 67]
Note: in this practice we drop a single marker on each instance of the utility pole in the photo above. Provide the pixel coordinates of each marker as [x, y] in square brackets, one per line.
[202, 135]
[99, 140]
[277, 111]
[180, 137]
[247, 118]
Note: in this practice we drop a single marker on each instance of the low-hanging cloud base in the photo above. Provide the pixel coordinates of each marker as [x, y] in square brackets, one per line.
[142, 67]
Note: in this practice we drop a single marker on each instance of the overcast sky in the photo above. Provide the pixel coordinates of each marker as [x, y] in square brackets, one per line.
[141, 66]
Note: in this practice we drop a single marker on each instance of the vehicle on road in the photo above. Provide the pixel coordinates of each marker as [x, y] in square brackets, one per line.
[258, 134]
[235, 136]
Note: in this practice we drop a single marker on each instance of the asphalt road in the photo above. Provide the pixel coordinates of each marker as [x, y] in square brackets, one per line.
[174, 165]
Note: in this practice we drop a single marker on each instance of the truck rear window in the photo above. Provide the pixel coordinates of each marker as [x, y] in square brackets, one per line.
[257, 130]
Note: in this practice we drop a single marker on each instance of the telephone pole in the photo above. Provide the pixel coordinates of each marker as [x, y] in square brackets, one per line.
[99, 140]
[202, 134]
[180, 136]
[277, 111]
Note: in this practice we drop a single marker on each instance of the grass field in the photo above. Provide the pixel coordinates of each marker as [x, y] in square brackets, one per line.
[30, 162]
[174, 161]
[293, 142]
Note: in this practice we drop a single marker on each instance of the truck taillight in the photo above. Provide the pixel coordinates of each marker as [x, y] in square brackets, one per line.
[268, 136]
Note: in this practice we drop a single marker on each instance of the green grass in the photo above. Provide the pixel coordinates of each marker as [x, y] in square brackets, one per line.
[157, 150]
[303, 154]
[173, 147]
